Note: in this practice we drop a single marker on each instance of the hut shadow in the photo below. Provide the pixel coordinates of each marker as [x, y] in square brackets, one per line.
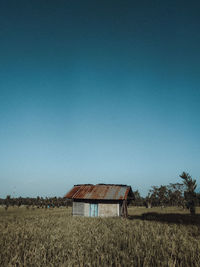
[173, 218]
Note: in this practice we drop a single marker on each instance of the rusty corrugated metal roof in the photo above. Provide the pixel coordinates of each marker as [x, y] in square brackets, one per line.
[100, 192]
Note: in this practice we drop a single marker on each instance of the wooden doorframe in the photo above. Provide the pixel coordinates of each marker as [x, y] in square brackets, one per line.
[95, 205]
[124, 209]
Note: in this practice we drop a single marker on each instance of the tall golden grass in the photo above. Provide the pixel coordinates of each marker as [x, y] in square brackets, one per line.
[54, 238]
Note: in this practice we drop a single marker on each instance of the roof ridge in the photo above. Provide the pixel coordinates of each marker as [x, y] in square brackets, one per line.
[102, 184]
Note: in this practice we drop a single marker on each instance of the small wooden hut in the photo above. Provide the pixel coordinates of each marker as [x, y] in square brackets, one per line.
[103, 200]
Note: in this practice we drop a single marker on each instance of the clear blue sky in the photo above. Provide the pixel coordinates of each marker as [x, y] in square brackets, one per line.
[98, 92]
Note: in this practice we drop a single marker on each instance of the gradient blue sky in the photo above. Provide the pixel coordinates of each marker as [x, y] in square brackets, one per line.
[98, 92]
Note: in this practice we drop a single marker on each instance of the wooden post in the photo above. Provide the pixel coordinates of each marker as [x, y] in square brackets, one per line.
[124, 209]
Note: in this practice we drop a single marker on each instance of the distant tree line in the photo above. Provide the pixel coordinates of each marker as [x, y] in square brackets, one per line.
[177, 194]
[38, 202]
[164, 195]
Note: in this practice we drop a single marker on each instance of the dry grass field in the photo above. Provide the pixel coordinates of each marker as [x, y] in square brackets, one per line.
[52, 237]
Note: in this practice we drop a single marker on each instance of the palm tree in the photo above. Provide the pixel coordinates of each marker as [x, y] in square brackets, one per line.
[189, 194]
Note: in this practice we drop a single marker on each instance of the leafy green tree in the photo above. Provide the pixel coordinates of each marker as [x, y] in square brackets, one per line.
[148, 201]
[159, 195]
[176, 194]
[138, 200]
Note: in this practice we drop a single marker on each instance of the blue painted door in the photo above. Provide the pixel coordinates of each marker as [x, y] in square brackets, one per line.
[93, 210]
